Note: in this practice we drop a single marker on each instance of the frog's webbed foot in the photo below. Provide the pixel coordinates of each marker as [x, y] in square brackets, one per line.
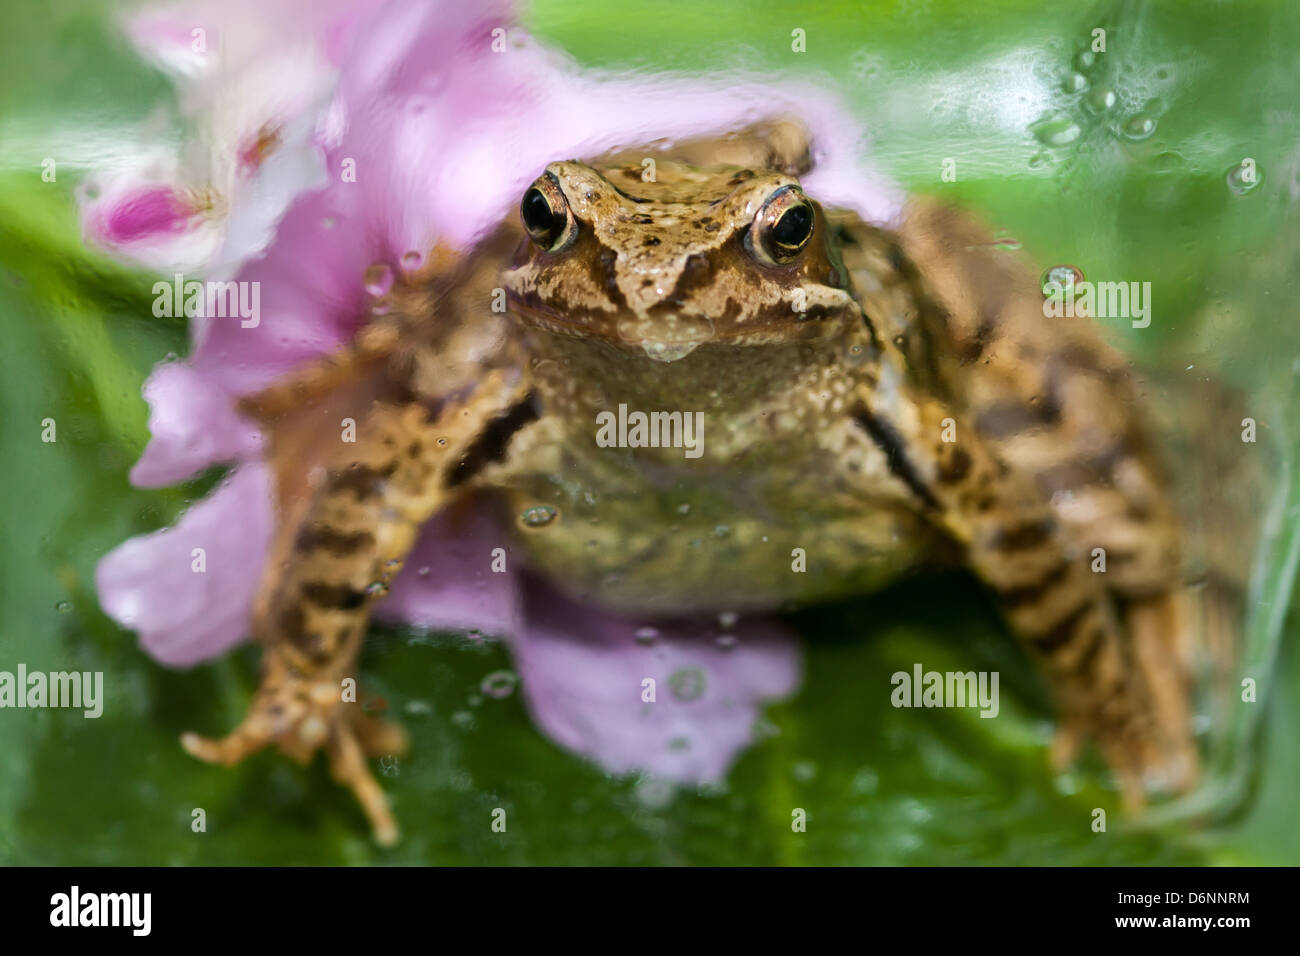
[301, 717]
[334, 555]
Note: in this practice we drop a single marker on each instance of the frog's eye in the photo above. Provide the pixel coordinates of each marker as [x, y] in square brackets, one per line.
[782, 227]
[546, 214]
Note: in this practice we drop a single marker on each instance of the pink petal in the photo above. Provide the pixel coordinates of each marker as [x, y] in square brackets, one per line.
[193, 424]
[448, 582]
[148, 584]
[581, 671]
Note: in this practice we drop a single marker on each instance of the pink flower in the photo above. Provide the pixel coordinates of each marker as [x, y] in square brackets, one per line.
[431, 136]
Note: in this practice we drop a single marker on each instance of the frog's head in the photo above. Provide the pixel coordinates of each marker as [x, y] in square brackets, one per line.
[667, 256]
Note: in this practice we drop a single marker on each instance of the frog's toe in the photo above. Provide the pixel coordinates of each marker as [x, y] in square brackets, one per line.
[381, 738]
[228, 750]
[348, 766]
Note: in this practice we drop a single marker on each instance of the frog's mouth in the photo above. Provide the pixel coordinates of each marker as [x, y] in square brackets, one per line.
[667, 336]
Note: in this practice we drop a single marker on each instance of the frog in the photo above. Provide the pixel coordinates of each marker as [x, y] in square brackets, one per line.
[873, 400]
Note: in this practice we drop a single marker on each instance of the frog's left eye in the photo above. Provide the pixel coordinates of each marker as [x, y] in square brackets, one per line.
[546, 214]
[782, 227]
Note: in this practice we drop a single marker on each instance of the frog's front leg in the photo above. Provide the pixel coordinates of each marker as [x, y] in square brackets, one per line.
[1014, 542]
[339, 552]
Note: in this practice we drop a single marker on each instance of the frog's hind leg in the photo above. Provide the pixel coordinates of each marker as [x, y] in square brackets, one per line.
[333, 558]
[1016, 544]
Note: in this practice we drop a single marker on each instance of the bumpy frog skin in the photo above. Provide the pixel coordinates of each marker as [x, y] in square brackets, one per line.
[870, 401]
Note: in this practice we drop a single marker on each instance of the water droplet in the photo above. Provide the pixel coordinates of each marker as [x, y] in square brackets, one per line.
[687, 684]
[63, 607]
[381, 306]
[1138, 127]
[727, 620]
[377, 589]
[1055, 130]
[683, 509]
[464, 719]
[539, 516]
[499, 684]
[412, 260]
[669, 351]
[1242, 179]
[1075, 83]
[1085, 60]
[647, 635]
[1167, 162]
[1063, 275]
[654, 793]
[378, 279]
[424, 572]
[726, 641]
[418, 708]
[804, 770]
[1099, 99]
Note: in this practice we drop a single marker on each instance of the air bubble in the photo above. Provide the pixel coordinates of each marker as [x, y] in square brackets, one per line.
[539, 516]
[499, 684]
[63, 607]
[378, 279]
[647, 635]
[687, 684]
[1242, 179]
[1055, 130]
[1100, 99]
[1138, 127]
[1074, 83]
[412, 260]
[1066, 276]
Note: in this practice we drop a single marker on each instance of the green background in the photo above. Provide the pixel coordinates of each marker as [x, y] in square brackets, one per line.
[932, 80]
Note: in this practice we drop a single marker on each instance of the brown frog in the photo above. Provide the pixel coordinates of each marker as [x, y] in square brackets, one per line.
[823, 405]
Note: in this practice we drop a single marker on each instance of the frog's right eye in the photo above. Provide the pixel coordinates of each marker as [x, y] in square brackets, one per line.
[546, 214]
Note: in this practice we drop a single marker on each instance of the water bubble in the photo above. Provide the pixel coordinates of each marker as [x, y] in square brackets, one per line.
[538, 516]
[1075, 83]
[499, 684]
[424, 572]
[418, 708]
[647, 635]
[63, 607]
[1138, 127]
[464, 719]
[727, 620]
[1099, 99]
[378, 279]
[1243, 178]
[687, 684]
[412, 260]
[726, 642]
[1086, 60]
[683, 509]
[1064, 275]
[377, 589]
[654, 793]
[1055, 130]
[1040, 159]
[1167, 162]
[804, 771]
